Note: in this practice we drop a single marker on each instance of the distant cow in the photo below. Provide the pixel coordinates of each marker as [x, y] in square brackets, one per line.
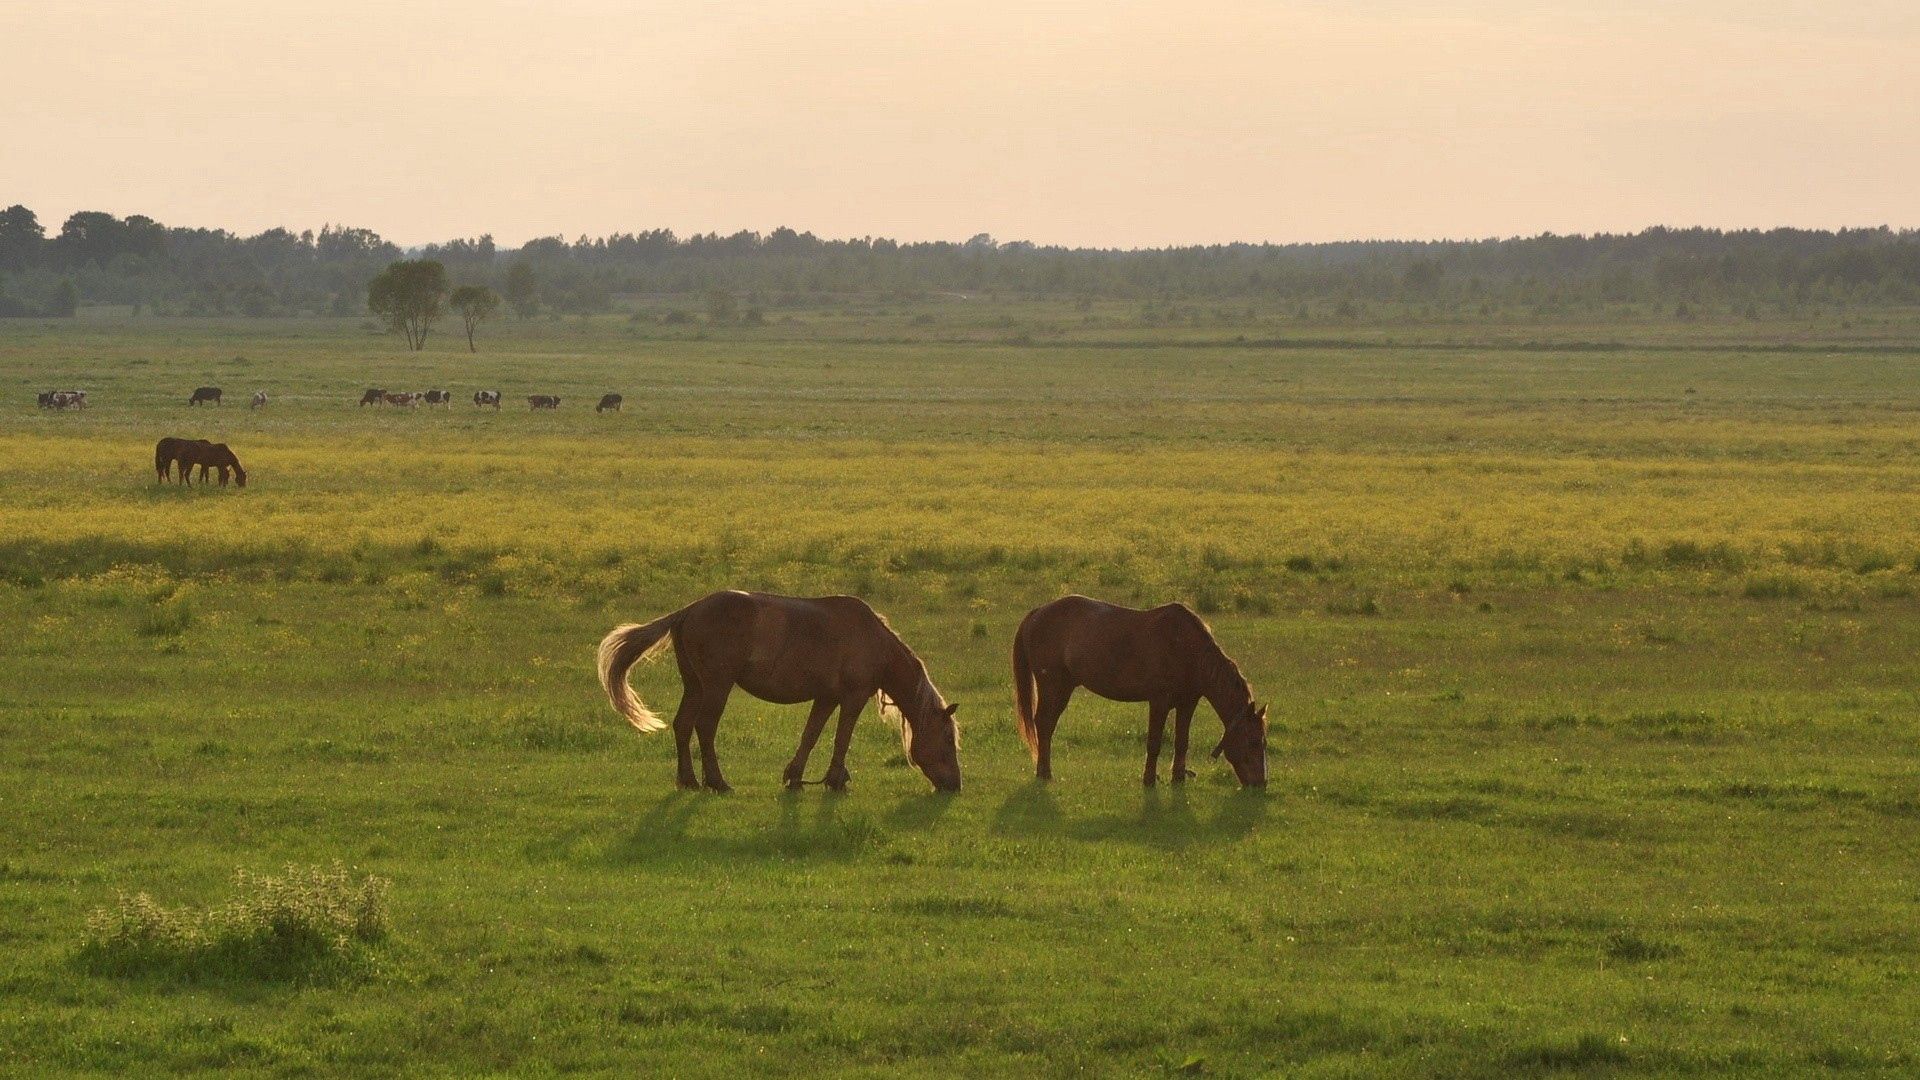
[486, 397]
[608, 401]
[259, 400]
[438, 397]
[374, 396]
[404, 400]
[542, 401]
[46, 399]
[204, 394]
[64, 399]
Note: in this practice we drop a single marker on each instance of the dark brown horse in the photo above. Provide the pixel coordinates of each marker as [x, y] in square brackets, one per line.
[203, 394]
[188, 453]
[1166, 657]
[165, 453]
[608, 402]
[833, 651]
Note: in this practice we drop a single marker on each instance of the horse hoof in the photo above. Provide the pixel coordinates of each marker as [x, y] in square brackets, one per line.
[1149, 780]
[719, 787]
[687, 783]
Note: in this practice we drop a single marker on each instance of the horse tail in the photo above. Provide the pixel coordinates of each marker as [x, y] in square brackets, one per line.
[624, 647]
[1023, 693]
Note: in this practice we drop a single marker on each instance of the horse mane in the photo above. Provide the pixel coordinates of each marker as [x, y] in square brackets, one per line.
[889, 709]
[1220, 665]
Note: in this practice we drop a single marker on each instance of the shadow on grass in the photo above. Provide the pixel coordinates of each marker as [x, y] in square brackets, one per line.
[806, 827]
[1165, 819]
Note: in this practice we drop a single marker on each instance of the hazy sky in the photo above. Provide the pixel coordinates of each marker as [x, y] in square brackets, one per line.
[1111, 123]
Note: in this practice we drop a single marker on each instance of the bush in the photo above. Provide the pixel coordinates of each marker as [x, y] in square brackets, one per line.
[310, 921]
[1775, 587]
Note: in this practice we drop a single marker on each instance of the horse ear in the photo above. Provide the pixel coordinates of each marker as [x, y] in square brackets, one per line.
[953, 708]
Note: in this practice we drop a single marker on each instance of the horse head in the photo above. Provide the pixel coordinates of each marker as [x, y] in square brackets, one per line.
[931, 738]
[1244, 744]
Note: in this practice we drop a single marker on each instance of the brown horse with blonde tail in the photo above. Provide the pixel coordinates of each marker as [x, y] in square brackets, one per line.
[833, 651]
[1166, 657]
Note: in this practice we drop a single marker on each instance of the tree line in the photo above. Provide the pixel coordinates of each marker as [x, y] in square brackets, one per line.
[97, 258]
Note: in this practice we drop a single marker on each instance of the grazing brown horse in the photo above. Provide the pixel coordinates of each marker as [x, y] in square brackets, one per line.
[374, 396]
[833, 651]
[608, 402]
[165, 453]
[1166, 657]
[203, 394]
[542, 401]
[188, 453]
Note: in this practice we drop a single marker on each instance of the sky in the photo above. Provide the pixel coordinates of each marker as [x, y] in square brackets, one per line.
[1116, 123]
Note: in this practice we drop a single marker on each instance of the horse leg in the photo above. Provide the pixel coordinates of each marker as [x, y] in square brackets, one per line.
[1053, 702]
[1156, 729]
[1182, 724]
[706, 725]
[683, 742]
[816, 722]
[837, 775]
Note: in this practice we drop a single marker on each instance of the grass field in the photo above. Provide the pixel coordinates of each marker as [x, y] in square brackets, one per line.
[1592, 649]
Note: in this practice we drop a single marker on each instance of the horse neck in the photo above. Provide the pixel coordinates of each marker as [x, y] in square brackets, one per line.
[1223, 686]
[904, 679]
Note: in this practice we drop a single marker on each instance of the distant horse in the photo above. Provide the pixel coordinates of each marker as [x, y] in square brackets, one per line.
[204, 394]
[542, 401]
[207, 455]
[165, 453]
[437, 397]
[609, 401]
[834, 651]
[374, 396]
[405, 400]
[259, 400]
[1166, 657]
[486, 397]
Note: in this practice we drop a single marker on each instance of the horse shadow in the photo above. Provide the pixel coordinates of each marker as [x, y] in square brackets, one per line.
[804, 828]
[1165, 819]
[1029, 811]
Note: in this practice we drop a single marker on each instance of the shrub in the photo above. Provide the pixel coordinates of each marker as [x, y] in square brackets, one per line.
[1775, 587]
[309, 921]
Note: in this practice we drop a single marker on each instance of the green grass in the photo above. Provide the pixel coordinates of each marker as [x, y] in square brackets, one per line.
[1593, 670]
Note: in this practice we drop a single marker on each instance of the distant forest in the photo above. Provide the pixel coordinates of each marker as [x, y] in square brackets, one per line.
[137, 262]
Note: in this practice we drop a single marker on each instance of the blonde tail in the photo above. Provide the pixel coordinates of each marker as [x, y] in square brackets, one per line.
[624, 647]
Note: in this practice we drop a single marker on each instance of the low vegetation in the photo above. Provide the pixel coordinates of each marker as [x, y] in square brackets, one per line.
[1590, 651]
[307, 922]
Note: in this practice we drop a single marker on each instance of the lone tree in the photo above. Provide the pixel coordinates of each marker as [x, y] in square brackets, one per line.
[475, 303]
[409, 295]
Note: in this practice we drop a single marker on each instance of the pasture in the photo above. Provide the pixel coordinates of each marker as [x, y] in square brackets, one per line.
[1593, 655]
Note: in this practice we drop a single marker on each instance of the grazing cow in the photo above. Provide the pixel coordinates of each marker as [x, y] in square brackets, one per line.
[486, 397]
[63, 399]
[374, 396]
[259, 400]
[204, 394]
[76, 398]
[543, 401]
[46, 399]
[438, 397]
[608, 401]
[404, 400]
